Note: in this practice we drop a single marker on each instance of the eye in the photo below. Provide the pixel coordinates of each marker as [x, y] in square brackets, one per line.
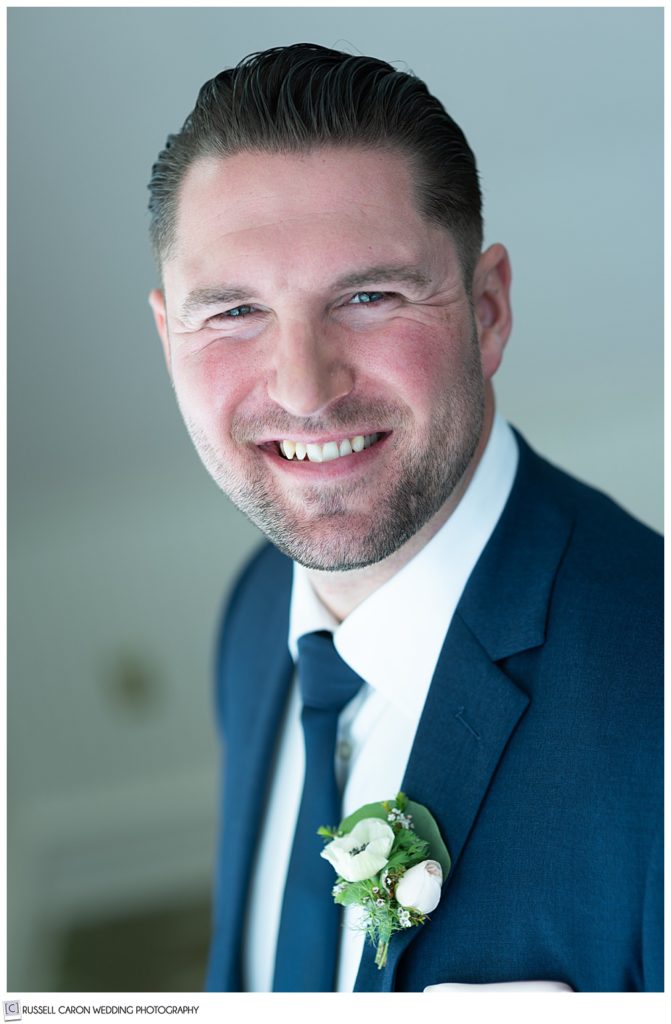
[238, 312]
[236, 315]
[367, 298]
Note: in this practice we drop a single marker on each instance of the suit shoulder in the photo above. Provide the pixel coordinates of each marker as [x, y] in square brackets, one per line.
[606, 541]
[607, 599]
[257, 606]
[266, 571]
[606, 587]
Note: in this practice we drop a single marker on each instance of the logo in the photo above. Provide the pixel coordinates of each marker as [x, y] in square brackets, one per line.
[12, 1009]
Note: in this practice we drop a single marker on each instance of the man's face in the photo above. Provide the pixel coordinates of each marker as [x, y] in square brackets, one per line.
[309, 309]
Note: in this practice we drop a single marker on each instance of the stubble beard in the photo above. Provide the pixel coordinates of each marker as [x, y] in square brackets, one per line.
[321, 533]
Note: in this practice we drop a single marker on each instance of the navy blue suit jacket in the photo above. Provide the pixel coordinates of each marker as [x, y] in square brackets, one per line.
[539, 753]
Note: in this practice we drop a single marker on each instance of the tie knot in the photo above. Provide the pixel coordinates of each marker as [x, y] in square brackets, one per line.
[327, 683]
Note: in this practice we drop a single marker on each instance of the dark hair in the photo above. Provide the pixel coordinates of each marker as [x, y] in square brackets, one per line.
[295, 98]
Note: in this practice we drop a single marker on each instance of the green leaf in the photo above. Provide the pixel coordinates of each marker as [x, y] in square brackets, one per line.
[427, 828]
[349, 896]
[409, 840]
[409, 854]
[369, 811]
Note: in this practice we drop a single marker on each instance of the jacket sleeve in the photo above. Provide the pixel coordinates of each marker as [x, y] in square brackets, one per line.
[653, 920]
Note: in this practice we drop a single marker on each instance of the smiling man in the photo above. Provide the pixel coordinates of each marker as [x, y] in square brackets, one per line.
[489, 627]
[338, 446]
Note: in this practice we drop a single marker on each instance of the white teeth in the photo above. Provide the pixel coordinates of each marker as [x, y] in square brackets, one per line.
[314, 452]
[328, 451]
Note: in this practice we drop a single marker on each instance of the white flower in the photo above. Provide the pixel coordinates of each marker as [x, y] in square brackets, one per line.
[420, 887]
[362, 852]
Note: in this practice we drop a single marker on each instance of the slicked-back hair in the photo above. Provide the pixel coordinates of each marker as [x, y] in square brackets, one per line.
[293, 99]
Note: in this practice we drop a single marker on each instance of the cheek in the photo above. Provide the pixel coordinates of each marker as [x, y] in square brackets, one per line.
[419, 362]
[212, 382]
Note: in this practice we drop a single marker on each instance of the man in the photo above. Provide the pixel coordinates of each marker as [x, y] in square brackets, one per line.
[331, 328]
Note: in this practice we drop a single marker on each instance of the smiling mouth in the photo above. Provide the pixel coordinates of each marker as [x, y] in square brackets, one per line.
[299, 451]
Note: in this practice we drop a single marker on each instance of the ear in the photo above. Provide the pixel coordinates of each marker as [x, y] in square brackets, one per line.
[491, 303]
[157, 303]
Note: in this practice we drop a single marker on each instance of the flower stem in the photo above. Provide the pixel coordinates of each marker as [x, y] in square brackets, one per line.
[381, 955]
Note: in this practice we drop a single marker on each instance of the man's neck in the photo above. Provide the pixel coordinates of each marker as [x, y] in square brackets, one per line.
[342, 592]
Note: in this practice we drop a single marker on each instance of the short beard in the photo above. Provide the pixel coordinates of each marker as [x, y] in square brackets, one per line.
[427, 477]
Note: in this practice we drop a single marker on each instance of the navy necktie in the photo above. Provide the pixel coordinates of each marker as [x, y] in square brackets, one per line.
[307, 944]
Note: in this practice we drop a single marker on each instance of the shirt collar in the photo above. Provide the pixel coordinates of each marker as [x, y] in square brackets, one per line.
[393, 639]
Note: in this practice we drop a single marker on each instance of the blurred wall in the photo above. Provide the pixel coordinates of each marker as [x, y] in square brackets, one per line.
[120, 547]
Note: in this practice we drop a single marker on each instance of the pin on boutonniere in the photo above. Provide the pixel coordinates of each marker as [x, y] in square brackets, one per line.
[391, 862]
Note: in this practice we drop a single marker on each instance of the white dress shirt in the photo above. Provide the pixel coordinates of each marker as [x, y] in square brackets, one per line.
[392, 640]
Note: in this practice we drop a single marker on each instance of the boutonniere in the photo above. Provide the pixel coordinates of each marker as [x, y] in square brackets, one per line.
[391, 862]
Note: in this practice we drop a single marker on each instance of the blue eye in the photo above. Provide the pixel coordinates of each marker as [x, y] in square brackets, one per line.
[239, 311]
[367, 298]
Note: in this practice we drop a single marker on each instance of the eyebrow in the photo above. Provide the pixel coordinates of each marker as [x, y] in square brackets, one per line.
[201, 298]
[384, 274]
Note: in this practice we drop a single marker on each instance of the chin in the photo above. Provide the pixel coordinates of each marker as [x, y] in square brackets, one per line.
[342, 544]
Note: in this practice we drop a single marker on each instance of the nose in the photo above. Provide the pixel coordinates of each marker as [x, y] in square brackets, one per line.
[309, 370]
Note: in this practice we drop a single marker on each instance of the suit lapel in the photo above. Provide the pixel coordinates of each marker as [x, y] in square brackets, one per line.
[473, 707]
[469, 716]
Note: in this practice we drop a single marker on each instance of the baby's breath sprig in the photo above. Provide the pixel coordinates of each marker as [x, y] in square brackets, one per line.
[396, 813]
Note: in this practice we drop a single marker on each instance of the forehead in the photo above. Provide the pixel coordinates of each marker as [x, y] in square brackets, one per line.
[329, 205]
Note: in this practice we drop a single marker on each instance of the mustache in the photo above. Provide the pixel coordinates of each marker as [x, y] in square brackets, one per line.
[342, 417]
